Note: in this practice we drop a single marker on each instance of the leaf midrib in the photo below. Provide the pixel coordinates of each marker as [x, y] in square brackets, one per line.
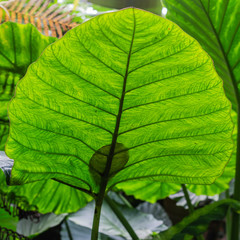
[234, 83]
[115, 134]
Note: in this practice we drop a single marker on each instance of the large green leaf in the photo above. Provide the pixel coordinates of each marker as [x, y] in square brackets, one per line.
[20, 45]
[216, 25]
[129, 88]
[42, 196]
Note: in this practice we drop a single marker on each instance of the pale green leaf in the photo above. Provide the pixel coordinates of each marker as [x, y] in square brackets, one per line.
[27, 227]
[143, 224]
[128, 81]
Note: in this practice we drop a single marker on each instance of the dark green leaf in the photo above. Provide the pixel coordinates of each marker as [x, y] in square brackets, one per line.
[198, 221]
[216, 25]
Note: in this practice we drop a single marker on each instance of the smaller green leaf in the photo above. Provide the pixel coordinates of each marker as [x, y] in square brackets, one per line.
[20, 45]
[197, 223]
[8, 221]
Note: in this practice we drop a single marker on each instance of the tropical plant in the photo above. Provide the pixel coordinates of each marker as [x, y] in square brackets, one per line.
[216, 25]
[114, 97]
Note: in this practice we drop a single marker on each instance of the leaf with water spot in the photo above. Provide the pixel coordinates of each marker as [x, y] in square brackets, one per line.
[128, 77]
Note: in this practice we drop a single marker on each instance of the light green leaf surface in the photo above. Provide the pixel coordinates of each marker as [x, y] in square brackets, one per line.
[42, 196]
[149, 191]
[216, 25]
[128, 79]
[20, 45]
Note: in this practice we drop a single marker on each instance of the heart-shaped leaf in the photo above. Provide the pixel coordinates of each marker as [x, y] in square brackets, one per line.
[125, 82]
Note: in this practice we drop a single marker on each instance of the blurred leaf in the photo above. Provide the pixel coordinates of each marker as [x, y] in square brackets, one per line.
[20, 45]
[143, 224]
[198, 221]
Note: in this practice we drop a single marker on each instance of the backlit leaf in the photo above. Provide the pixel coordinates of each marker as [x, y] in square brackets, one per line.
[127, 78]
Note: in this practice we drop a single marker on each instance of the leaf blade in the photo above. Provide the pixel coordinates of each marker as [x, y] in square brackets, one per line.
[180, 116]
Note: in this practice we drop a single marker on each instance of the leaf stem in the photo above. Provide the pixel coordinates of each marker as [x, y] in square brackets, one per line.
[104, 177]
[186, 195]
[68, 230]
[121, 217]
[190, 206]
[98, 207]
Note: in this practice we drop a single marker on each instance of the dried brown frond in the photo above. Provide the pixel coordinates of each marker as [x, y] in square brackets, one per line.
[51, 20]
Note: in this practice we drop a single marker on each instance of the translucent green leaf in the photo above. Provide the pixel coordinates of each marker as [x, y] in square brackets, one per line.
[130, 78]
[42, 196]
[216, 25]
[20, 45]
[149, 191]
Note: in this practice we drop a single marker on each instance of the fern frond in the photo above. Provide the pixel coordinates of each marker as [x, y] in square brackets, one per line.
[51, 20]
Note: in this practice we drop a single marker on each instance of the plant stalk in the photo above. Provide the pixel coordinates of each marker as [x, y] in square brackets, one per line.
[121, 217]
[98, 207]
[190, 206]
[186, 195]
[68, 230]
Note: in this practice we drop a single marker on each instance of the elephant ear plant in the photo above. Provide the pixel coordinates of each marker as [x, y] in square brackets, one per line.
[216, 25]
[125, 96]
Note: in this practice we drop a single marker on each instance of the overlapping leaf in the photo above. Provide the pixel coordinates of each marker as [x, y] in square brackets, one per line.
[127, 85]
[216, 25]
[20, 45]
[42, 196]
